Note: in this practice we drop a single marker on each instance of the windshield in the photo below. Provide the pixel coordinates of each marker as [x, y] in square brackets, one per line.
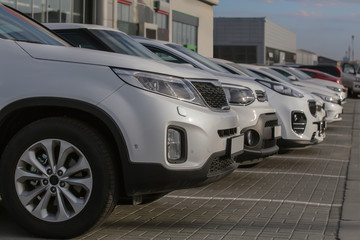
[122, 43]
[203, 60]
[277, 74]
[244, 70]
[299, 74]
[18, 27]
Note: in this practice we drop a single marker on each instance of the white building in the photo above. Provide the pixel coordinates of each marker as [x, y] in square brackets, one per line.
[306, 58]
[187, 22]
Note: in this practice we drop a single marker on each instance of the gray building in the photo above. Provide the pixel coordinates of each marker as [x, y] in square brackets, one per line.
[186, 22]
[253, 40]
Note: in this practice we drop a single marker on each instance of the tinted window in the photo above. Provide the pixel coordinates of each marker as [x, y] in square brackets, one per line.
[81, 38]
[311, 74]
[166, 56]
[18, 27]
[122, 43]
[203, 60]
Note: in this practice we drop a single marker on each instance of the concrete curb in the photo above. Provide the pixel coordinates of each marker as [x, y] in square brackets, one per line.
[350, 219]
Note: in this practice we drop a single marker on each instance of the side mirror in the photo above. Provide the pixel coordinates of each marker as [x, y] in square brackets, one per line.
[292, 78]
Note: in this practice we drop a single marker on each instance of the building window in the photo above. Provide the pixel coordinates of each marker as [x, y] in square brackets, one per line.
[39, 10]
[162, 20]
[78, 11]
[54, 10]
[184, 29]
[238, 54]
[24, 6]
[10, 3]
[125, 11]
[65, 11]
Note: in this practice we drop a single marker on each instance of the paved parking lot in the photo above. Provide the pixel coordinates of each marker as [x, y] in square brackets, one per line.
[294, 195]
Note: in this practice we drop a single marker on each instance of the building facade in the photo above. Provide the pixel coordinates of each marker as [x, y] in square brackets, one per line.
[187, 22]
[304, 57]
[253, 40]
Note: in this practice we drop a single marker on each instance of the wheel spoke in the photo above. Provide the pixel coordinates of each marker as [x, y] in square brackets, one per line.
[30, 158]
[26, 197]
[83, 182]
[81, 165]
[21, 175]
[64, 151]
[62, 213]
[49, 148]
[76, 203]
[41, 209]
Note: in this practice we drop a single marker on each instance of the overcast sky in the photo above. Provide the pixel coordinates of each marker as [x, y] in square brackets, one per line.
[324, 27]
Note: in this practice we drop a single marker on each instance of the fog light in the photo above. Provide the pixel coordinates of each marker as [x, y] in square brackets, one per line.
[173, 144]
[251, 138]
[176, 145]
[298, 122]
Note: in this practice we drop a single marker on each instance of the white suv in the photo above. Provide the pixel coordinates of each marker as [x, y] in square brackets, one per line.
[82, 130]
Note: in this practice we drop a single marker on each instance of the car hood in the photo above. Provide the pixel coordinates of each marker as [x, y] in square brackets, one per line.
[312, 87]
[324, 83]
[95, 57]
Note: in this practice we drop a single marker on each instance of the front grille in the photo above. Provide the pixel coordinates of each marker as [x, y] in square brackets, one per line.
[220, 165]
[312, 107]
[213, 95]
[227, 132]
[261, 96]
[271, 123]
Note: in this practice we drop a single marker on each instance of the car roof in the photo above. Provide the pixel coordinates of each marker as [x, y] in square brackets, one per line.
[57, 26]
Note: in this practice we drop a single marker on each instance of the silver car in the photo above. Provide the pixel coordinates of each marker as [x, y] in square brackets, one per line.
[82, 130]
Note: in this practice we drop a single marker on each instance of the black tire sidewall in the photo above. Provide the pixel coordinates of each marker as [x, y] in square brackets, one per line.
[94, 149]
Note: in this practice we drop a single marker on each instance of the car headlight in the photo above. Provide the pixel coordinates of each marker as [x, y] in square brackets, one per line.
[326, 97]
[239, 95]
[282, 89]
[168, 86]
[335, 89]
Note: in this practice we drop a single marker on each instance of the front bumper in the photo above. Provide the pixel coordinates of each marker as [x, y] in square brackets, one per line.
[356, 87]
[267, 131]
[144, 118]
[333, 112]
[311, 134]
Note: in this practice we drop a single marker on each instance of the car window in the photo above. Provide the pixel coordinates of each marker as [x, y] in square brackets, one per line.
[164, 55]
[299, 74]
[244, 70]
[284, 73]
[203, 60]
[81, 38]
[229, 69]
[311, 74]
[263, 76]
[276, 74]
[122, 43]
[18, 27]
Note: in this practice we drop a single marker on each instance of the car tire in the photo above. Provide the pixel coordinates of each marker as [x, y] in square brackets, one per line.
[60, 178]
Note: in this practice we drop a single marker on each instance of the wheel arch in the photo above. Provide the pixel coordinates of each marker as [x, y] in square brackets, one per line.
[18, 114]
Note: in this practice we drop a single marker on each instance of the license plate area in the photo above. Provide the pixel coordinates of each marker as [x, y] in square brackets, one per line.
[277, 131]
[235, 145]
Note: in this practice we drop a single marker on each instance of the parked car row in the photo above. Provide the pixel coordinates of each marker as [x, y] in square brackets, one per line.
[91, 118]
[347, 75]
